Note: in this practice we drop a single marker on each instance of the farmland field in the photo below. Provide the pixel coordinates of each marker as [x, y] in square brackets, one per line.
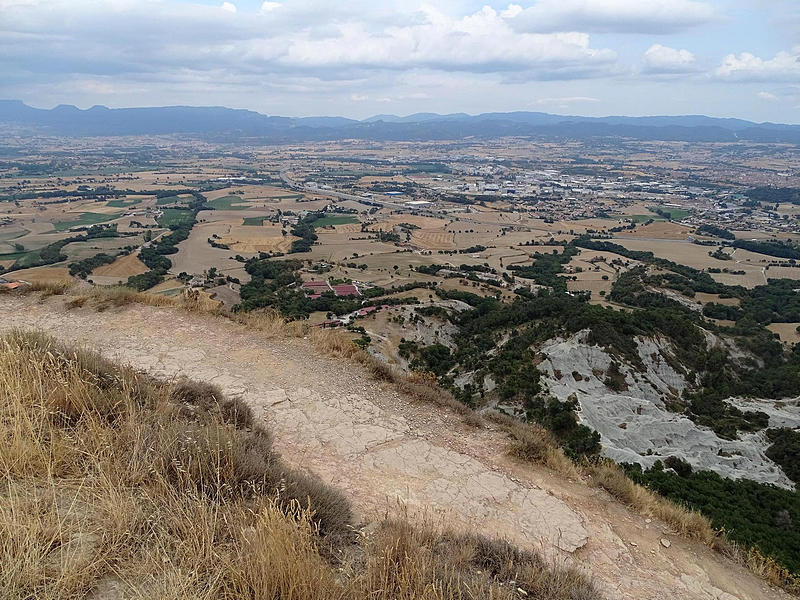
[86, 219]
[674, 214]
[122, 203]
[787, 331]
[174, 216]
[169, 200]
[330, 220]
[253, 221]
[229, 203]
[123, 267]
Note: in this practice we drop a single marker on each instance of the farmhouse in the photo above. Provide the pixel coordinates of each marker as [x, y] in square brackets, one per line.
[315, 289]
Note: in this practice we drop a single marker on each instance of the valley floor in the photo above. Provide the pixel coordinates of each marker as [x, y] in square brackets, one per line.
[385, 451]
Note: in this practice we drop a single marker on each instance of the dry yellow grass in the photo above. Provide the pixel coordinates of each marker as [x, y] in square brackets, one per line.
[610, 477]
[42, 274]
[125, 266]
[531, 442]
[111, 480]
[264, 238]
[688, 523]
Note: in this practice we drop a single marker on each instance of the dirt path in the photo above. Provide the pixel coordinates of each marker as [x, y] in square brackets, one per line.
[381, 448]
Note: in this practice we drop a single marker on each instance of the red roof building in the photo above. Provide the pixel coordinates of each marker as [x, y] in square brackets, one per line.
[316, 288]
[346, 289]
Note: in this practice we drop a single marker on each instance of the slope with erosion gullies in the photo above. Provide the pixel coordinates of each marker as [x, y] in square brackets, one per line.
[638, 409]
[379, 446]
[637, 403]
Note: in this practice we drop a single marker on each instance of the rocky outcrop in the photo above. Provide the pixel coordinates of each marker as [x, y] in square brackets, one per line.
[636, 424]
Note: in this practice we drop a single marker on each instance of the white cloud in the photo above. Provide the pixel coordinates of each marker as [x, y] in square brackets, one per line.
[785, 66]
[270, 6]
[95, 37]
[619, 16]
[767, 96]
[566, 100]
[479, 42]
[662, 59]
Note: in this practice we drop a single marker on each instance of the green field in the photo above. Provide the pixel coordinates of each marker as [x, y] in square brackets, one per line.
[120, 203]
[169, 200]
[674, 214]
[254, 221]
[644, 218]
[227, 203]
[334, 220]
[86, 219]
[14, 255]
[174, 216]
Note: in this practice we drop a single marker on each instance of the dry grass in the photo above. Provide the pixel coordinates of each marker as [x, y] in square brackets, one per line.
[103, 298]
[531, 442]
[110, 479]
[760, 565]
[612, 478]
[47, 288]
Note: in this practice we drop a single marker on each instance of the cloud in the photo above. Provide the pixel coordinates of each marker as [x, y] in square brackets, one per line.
[269, 6]
[611, 16]
[660, 59]
[97, 37]
[566, 100]
[767, 96]
[785, 66]
[479, 42]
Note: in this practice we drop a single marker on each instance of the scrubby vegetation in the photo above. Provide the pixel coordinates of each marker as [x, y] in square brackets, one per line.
[154, 255]
[753, 514]
[720, 232]
[778, 248]
[113, 480]
[773, 195]
[546, 268]
[82, 268]
[785, 450]
[53, 253]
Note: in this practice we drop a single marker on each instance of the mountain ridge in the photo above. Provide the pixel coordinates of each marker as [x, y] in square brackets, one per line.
[216, 121]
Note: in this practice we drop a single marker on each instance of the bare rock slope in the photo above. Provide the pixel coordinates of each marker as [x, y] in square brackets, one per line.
[382, 449]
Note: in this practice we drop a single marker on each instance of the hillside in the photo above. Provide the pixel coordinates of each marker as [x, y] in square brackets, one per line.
[230, 124]
[379, 446]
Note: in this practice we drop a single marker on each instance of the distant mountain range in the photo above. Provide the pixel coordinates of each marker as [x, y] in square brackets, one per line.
[232, 124]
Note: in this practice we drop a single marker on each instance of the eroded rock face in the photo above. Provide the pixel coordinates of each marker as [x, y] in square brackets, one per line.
[635, 424]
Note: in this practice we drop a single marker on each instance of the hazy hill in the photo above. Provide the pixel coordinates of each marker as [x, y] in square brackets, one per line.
[238, 123]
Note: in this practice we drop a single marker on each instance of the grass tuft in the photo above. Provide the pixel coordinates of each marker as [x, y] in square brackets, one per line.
[531, 442]
[689, 523]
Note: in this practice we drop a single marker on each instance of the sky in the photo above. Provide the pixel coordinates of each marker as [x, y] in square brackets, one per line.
[357, 58]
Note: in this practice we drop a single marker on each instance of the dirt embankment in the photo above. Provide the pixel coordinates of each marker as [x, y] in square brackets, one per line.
[380, 448]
